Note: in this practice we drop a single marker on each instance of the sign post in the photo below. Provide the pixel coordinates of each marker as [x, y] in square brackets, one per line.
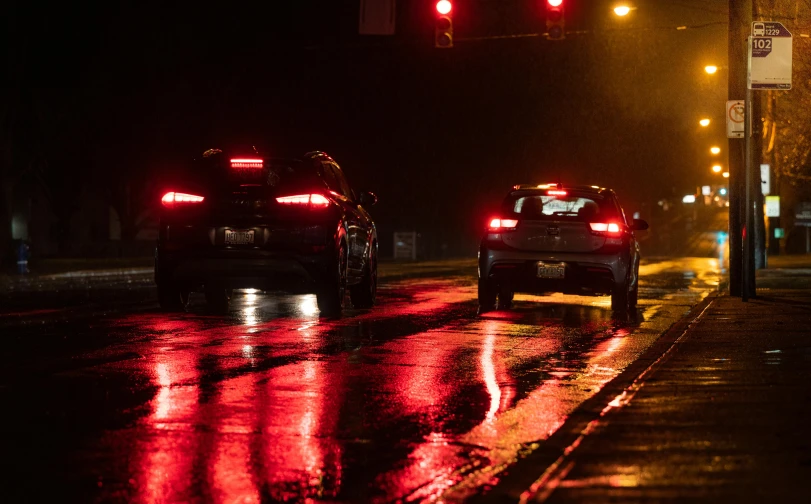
[768, 67]
[802, 217]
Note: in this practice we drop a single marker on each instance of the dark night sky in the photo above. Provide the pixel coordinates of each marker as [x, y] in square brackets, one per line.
[440, 135]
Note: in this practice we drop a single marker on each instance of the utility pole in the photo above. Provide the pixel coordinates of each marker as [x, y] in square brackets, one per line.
[740, 19]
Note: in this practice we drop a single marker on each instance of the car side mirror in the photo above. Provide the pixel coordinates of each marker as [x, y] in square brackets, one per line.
[639, 225]
[367, 198]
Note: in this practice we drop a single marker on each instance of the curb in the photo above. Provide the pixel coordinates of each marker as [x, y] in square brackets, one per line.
[525, 479]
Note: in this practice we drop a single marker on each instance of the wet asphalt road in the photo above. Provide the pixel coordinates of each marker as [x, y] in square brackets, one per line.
[105, 399]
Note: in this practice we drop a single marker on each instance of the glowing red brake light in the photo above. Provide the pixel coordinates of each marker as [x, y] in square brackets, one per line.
[556, 193]
[610, 228]
[247, 163]
[170, 199]
[498, 225]
[311, 200]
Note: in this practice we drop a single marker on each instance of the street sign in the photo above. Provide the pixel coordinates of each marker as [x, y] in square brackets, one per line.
[802, 215]
[765, 179]
[769, 56]
[736, 113]
[405, 245]
[772, 206]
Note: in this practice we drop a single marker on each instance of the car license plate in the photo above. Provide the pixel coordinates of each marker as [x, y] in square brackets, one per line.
[551, 270]
[239, 237]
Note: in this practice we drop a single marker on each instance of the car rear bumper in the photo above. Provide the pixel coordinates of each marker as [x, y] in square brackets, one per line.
[258, 269]
[584, 273]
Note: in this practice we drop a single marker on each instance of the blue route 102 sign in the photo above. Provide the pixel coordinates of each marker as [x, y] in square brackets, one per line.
[770, 56]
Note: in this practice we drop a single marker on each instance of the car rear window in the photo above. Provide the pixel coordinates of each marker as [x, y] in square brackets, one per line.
[585, 207]
[275, 173]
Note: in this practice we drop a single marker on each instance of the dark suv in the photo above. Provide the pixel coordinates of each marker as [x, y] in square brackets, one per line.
[559, 238]
[241, 220]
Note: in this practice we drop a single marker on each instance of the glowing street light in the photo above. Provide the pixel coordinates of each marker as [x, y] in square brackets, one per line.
[715, 150]
[622, 10]
[726, 174]
[704, 122]
[710, 69]
[717, 168]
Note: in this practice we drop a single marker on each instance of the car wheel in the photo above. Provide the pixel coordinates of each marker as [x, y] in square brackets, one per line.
[217, 299]
[330, 296]
[620, 297]
[363, 294]
[633, 297]
[172, 297]
[505, 299]
[487, 296]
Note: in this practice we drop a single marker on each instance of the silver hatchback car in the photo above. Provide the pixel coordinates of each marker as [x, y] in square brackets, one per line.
[558, 238]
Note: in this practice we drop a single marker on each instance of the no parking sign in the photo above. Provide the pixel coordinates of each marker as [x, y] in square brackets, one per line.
[736, 112]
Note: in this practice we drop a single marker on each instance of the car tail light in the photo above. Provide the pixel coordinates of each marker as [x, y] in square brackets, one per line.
[606, 228]
[309, 200]
[498, 225]
[171, 199]
[242, 163]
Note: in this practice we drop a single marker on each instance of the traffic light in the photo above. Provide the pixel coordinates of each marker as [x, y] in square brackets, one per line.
[554, 20]
[443, 27]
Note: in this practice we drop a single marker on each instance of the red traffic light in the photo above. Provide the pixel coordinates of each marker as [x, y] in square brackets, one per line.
[443, 26]
[555, 22]
[445, 6]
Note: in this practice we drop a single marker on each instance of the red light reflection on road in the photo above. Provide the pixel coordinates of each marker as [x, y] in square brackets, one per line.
[495, 371]
[489, 375]
[164, 473]
[536, 416]
[300, 412]
[231, 475]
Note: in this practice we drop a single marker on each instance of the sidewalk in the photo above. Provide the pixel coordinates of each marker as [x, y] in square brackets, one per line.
[82, 270]
[48, 267]
[722, 416]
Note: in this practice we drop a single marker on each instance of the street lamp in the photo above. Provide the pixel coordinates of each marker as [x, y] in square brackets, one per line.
[622, 10]
[710, 69]
[715, 150]
[704, 122]
[726, 174]
[717, 168]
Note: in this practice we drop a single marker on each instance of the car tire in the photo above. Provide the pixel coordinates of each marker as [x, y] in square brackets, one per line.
[487, 296]
[633, 297]
[363, 295]
[620, 297]
[330, 296]
[172, 297]
[218, 299]
[505, 299]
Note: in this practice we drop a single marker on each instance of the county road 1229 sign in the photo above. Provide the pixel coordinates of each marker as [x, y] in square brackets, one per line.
[769, 56]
